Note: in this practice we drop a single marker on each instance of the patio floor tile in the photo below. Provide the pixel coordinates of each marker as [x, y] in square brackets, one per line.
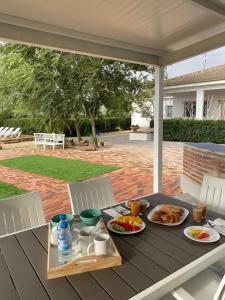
[134, 179]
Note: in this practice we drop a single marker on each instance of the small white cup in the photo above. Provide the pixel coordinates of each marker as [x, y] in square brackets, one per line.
[85, 238]
[100, 245]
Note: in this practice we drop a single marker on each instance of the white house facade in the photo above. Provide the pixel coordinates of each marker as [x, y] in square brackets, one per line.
[199, 95]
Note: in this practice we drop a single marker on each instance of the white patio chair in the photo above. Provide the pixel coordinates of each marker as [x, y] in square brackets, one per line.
[20, 213]
[207, 286]
[94, 193]
[212, 193]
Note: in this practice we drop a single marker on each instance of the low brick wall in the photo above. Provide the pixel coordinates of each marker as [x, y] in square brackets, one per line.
[198, 161]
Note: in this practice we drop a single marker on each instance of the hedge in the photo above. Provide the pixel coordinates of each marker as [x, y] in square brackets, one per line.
[190, 130]
[180, 130]
[31, 125]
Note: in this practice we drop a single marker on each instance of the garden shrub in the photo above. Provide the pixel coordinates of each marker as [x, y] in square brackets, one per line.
[31, 125]
[190, 130]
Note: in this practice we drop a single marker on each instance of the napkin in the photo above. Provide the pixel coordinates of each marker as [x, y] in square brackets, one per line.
[219, 222]
[122, 210]
[112, 212]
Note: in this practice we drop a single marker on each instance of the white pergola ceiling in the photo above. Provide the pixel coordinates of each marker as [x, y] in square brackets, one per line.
[145, 31]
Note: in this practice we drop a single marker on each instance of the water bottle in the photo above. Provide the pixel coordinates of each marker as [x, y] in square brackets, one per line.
[64, 238]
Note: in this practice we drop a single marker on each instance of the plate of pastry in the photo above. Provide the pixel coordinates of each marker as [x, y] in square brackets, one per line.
[126, 225]
[169, 215]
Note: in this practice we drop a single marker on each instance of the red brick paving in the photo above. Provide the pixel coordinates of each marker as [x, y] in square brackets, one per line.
[134, 179]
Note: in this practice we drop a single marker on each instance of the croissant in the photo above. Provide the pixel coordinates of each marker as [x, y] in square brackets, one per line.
[156, 217]
[170, 218]
[170, 208]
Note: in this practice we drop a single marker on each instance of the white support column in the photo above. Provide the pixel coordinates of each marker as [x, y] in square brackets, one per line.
[199, 104]
[158, 130]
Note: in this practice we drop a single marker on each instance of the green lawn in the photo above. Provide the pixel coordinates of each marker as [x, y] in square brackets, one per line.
[8, 190]
[58, 168]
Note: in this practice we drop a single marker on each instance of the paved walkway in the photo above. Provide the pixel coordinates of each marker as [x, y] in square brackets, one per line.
[134, 179]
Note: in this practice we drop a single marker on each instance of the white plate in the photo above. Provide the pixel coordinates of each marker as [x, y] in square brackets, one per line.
[109, 226]
[213, 235]
[183, 217]
[143, 200]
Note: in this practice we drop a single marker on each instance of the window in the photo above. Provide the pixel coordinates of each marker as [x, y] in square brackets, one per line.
[190, 109]
[169, 111]
[205, 108]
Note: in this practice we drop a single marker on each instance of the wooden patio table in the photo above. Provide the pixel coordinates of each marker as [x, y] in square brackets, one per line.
[155, 261]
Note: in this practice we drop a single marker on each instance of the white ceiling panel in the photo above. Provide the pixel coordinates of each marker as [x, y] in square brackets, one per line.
[155, 27]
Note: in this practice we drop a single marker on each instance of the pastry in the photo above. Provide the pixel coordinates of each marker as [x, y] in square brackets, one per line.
[168, 214]
[156, 217]
[170, 208]
[170, 218]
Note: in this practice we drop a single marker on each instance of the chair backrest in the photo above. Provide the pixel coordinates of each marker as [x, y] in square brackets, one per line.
[21, 212]
[213, 193]
[8, 132]
[4, 129]
[39, 136]
[59, 137]
[95, 193]
[15, 131]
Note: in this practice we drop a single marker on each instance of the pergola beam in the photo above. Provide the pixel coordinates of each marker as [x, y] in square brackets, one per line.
[211, 6]
[203, 46]
[51, 40]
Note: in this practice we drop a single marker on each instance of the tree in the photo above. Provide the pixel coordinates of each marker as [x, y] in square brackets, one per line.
[44, 81]
[110, 84]
[62, 86]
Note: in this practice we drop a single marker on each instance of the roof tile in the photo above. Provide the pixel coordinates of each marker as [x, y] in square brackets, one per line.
[210, 74]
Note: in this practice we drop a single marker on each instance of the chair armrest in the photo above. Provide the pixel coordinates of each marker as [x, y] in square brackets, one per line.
[181, 294]
[220, 292]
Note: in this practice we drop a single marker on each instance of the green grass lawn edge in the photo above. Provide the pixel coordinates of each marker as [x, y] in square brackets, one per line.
[9, 190]
[68, 170]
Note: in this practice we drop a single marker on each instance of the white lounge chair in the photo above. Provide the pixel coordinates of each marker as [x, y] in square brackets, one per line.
[94, 193]
[14, 133]
[6, 133]
[20, 213]
[4, 130]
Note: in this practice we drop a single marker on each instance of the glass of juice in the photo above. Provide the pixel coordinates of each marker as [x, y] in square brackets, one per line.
[135, 208]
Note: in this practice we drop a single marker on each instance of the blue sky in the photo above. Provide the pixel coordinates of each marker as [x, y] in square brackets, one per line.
[210, 59]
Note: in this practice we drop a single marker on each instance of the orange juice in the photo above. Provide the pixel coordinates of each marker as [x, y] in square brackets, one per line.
[135, 208]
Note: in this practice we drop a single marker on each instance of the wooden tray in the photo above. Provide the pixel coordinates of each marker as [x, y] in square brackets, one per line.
[80, 264]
